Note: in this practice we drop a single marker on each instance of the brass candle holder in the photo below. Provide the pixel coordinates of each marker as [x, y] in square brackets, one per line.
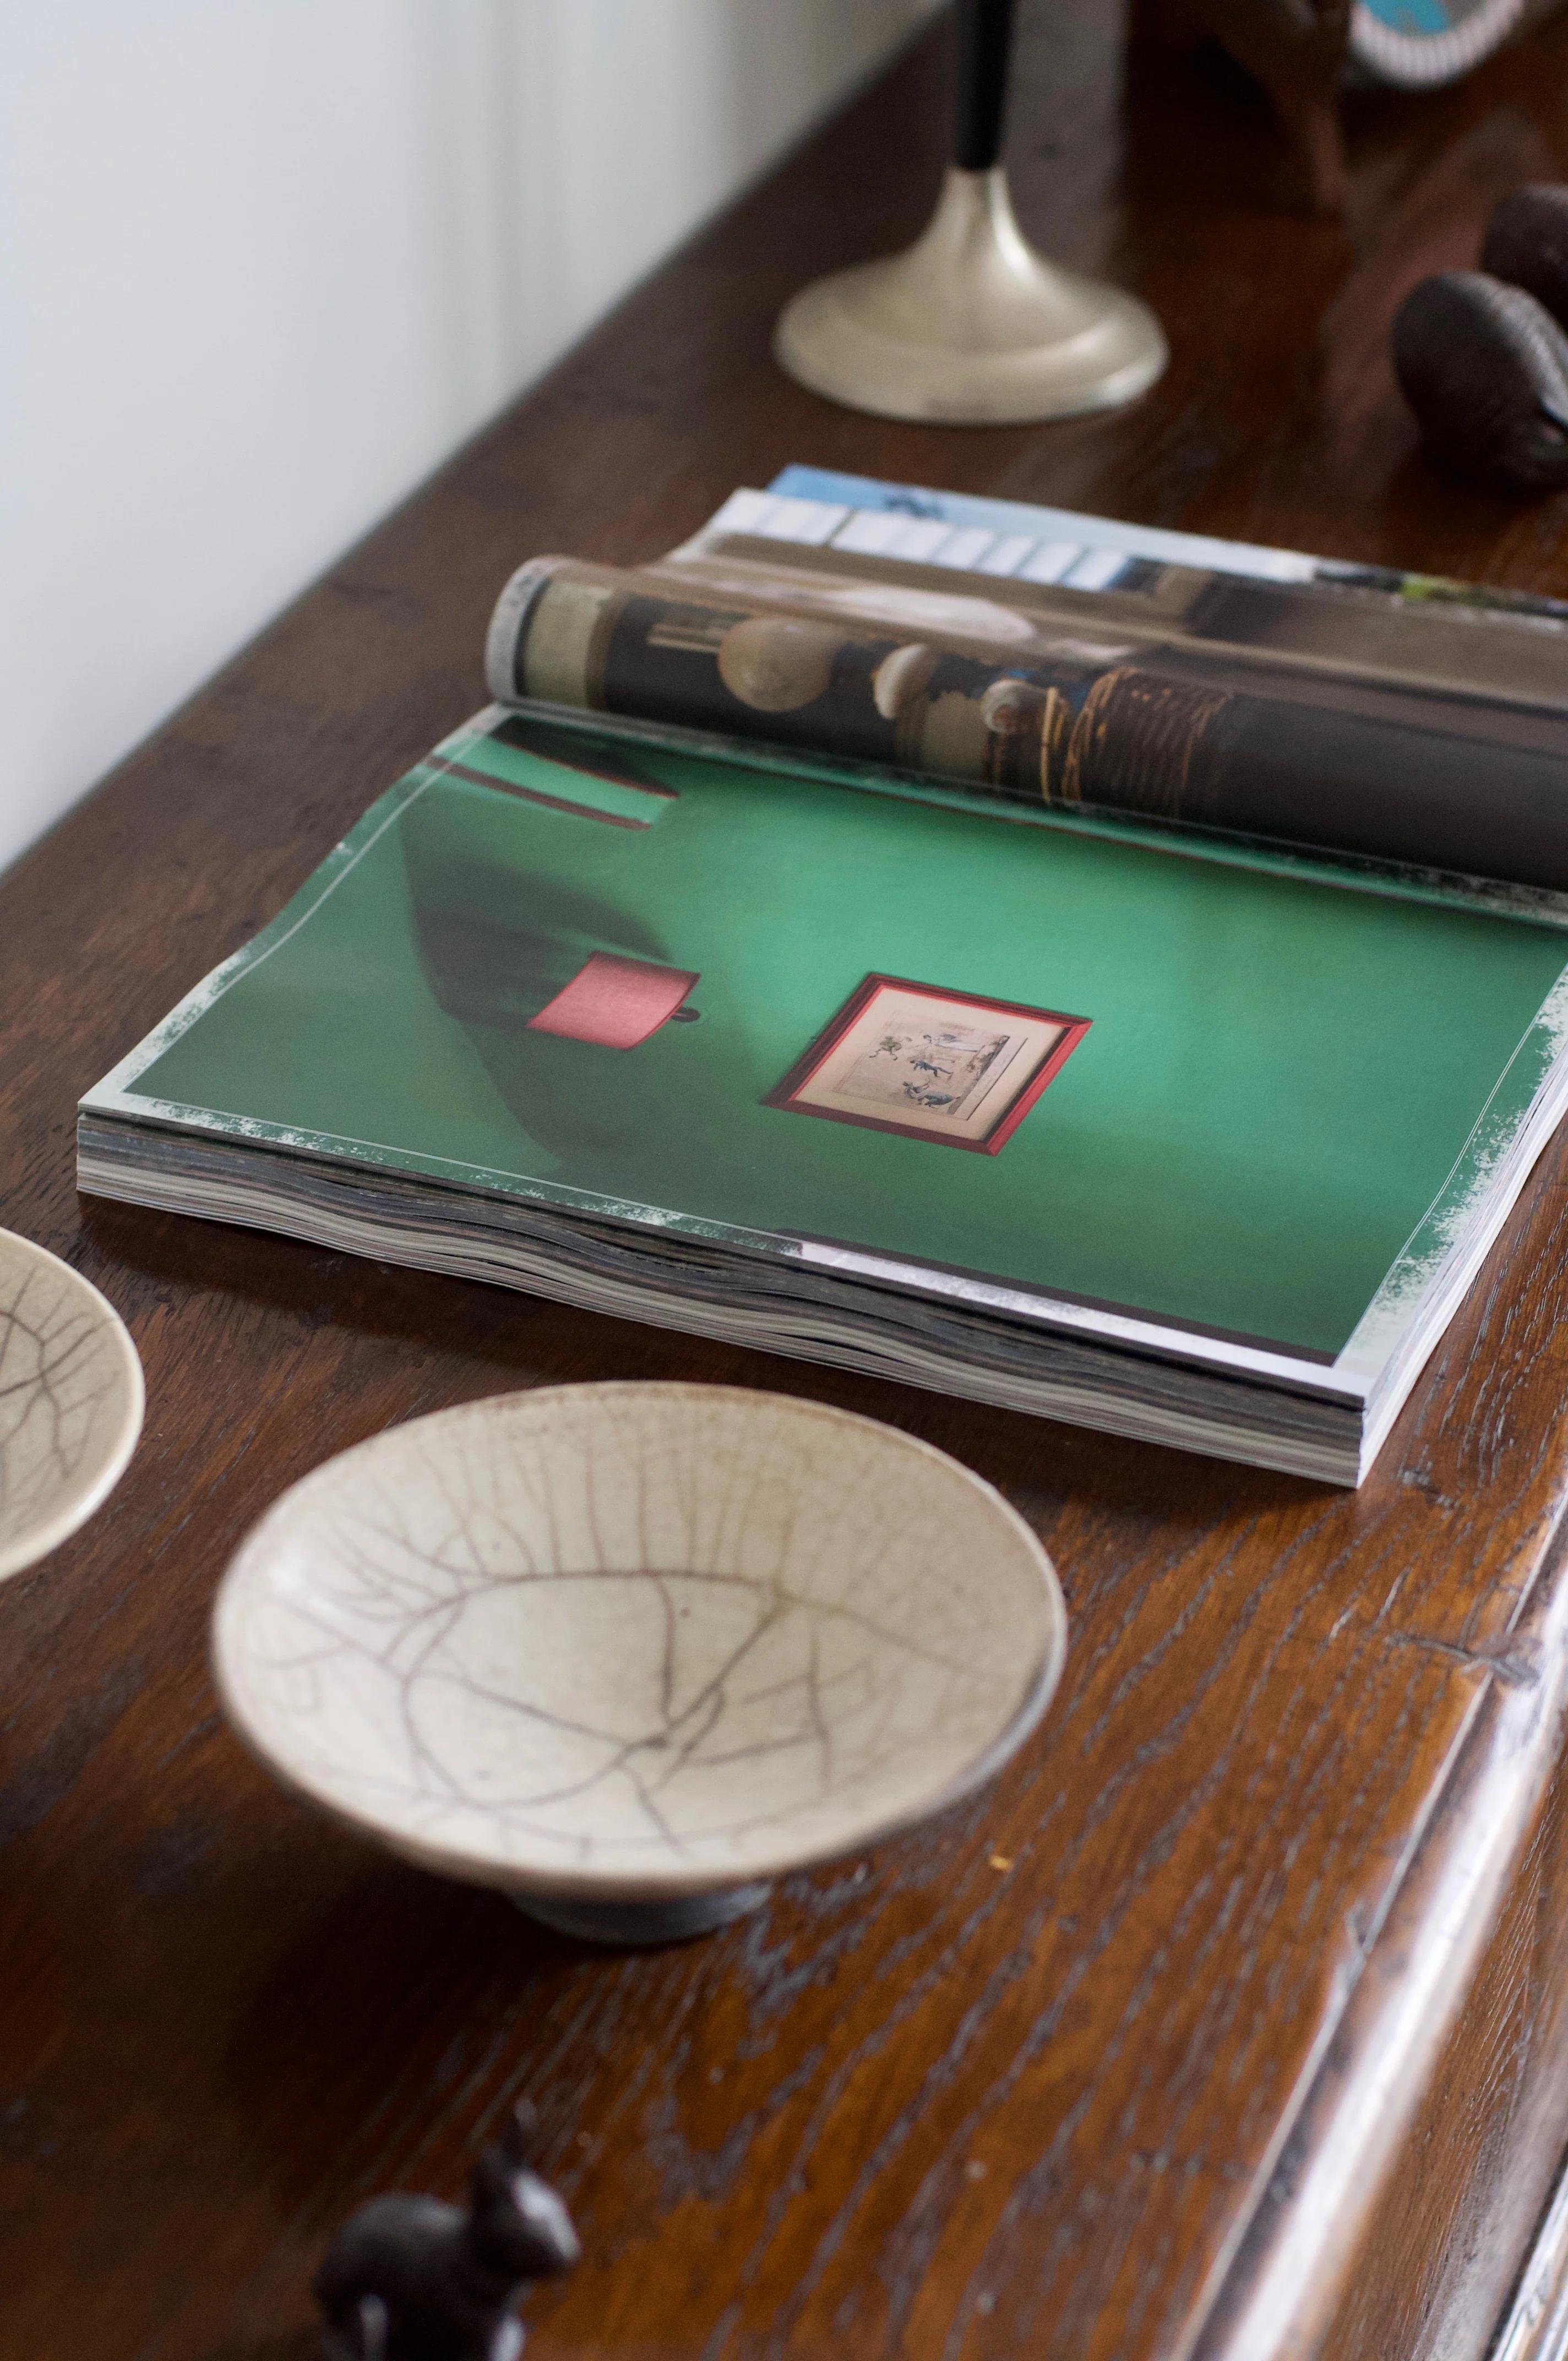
[970, 326]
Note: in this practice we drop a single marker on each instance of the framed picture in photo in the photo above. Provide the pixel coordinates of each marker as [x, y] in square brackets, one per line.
[950, 1067]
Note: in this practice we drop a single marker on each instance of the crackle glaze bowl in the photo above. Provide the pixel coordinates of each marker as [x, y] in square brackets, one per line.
[70, 1401]
[629, 1652]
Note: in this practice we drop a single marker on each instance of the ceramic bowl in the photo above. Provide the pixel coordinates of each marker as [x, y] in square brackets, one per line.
[70, 1401]
[630, 1652]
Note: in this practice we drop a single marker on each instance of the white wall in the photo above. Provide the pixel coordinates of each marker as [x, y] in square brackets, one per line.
[263, 262]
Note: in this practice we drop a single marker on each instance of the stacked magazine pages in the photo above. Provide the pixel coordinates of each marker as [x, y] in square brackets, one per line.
[1095, 970]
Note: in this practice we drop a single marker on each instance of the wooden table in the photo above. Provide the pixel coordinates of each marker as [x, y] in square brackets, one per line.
[1259, 2047]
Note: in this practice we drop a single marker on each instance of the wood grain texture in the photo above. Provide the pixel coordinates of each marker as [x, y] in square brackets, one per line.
[1535, 2327]
[1258, 2047]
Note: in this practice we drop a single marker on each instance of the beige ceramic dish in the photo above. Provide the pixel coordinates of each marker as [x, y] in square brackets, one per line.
[70, 1401]
[629, 1652]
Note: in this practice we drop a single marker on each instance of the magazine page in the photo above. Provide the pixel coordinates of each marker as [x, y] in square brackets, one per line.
[1231, 1114]
[1264, 607]
[1024, 540]
[1140, 708]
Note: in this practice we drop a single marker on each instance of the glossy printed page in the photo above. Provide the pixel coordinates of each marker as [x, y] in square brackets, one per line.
[1223, 1098]
[1377, 726]
[1024, 541]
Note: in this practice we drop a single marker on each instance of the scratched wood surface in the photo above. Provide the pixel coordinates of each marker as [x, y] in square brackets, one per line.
[1258, 2045]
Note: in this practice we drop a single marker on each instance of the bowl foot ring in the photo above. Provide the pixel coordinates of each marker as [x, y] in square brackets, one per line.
[636, 1924]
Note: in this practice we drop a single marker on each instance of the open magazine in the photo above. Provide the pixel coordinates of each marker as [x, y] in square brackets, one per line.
[1095, 969]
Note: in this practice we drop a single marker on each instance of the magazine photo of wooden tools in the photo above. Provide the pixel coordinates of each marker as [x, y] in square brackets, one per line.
[1215, 899]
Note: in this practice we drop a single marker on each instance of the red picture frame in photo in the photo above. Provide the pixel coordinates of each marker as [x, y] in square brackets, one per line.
[952, 1069]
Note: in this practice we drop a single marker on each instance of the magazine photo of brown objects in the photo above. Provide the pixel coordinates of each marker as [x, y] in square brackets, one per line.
[1115, 706]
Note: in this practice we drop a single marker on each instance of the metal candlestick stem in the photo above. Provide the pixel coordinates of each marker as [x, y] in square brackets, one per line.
[970, 325]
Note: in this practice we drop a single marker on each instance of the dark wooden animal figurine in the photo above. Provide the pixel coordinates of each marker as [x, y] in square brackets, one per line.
[407, 2279]
[1296, 49]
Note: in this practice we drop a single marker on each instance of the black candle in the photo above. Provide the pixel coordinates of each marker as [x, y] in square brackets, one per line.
[985, 31]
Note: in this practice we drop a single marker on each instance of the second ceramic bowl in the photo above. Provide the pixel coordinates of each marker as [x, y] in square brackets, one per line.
[630, 1652]
[70, 1401]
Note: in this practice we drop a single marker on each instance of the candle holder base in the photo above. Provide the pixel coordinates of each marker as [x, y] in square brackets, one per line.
[970, 326]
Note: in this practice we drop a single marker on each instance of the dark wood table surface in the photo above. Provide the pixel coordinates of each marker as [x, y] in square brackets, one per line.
[1260, 2045]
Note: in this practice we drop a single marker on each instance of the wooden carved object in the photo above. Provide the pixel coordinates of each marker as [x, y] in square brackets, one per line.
[1485, 368]
[1299, 57]
[410, 2278]
[1482, 356]
[1527, 244]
